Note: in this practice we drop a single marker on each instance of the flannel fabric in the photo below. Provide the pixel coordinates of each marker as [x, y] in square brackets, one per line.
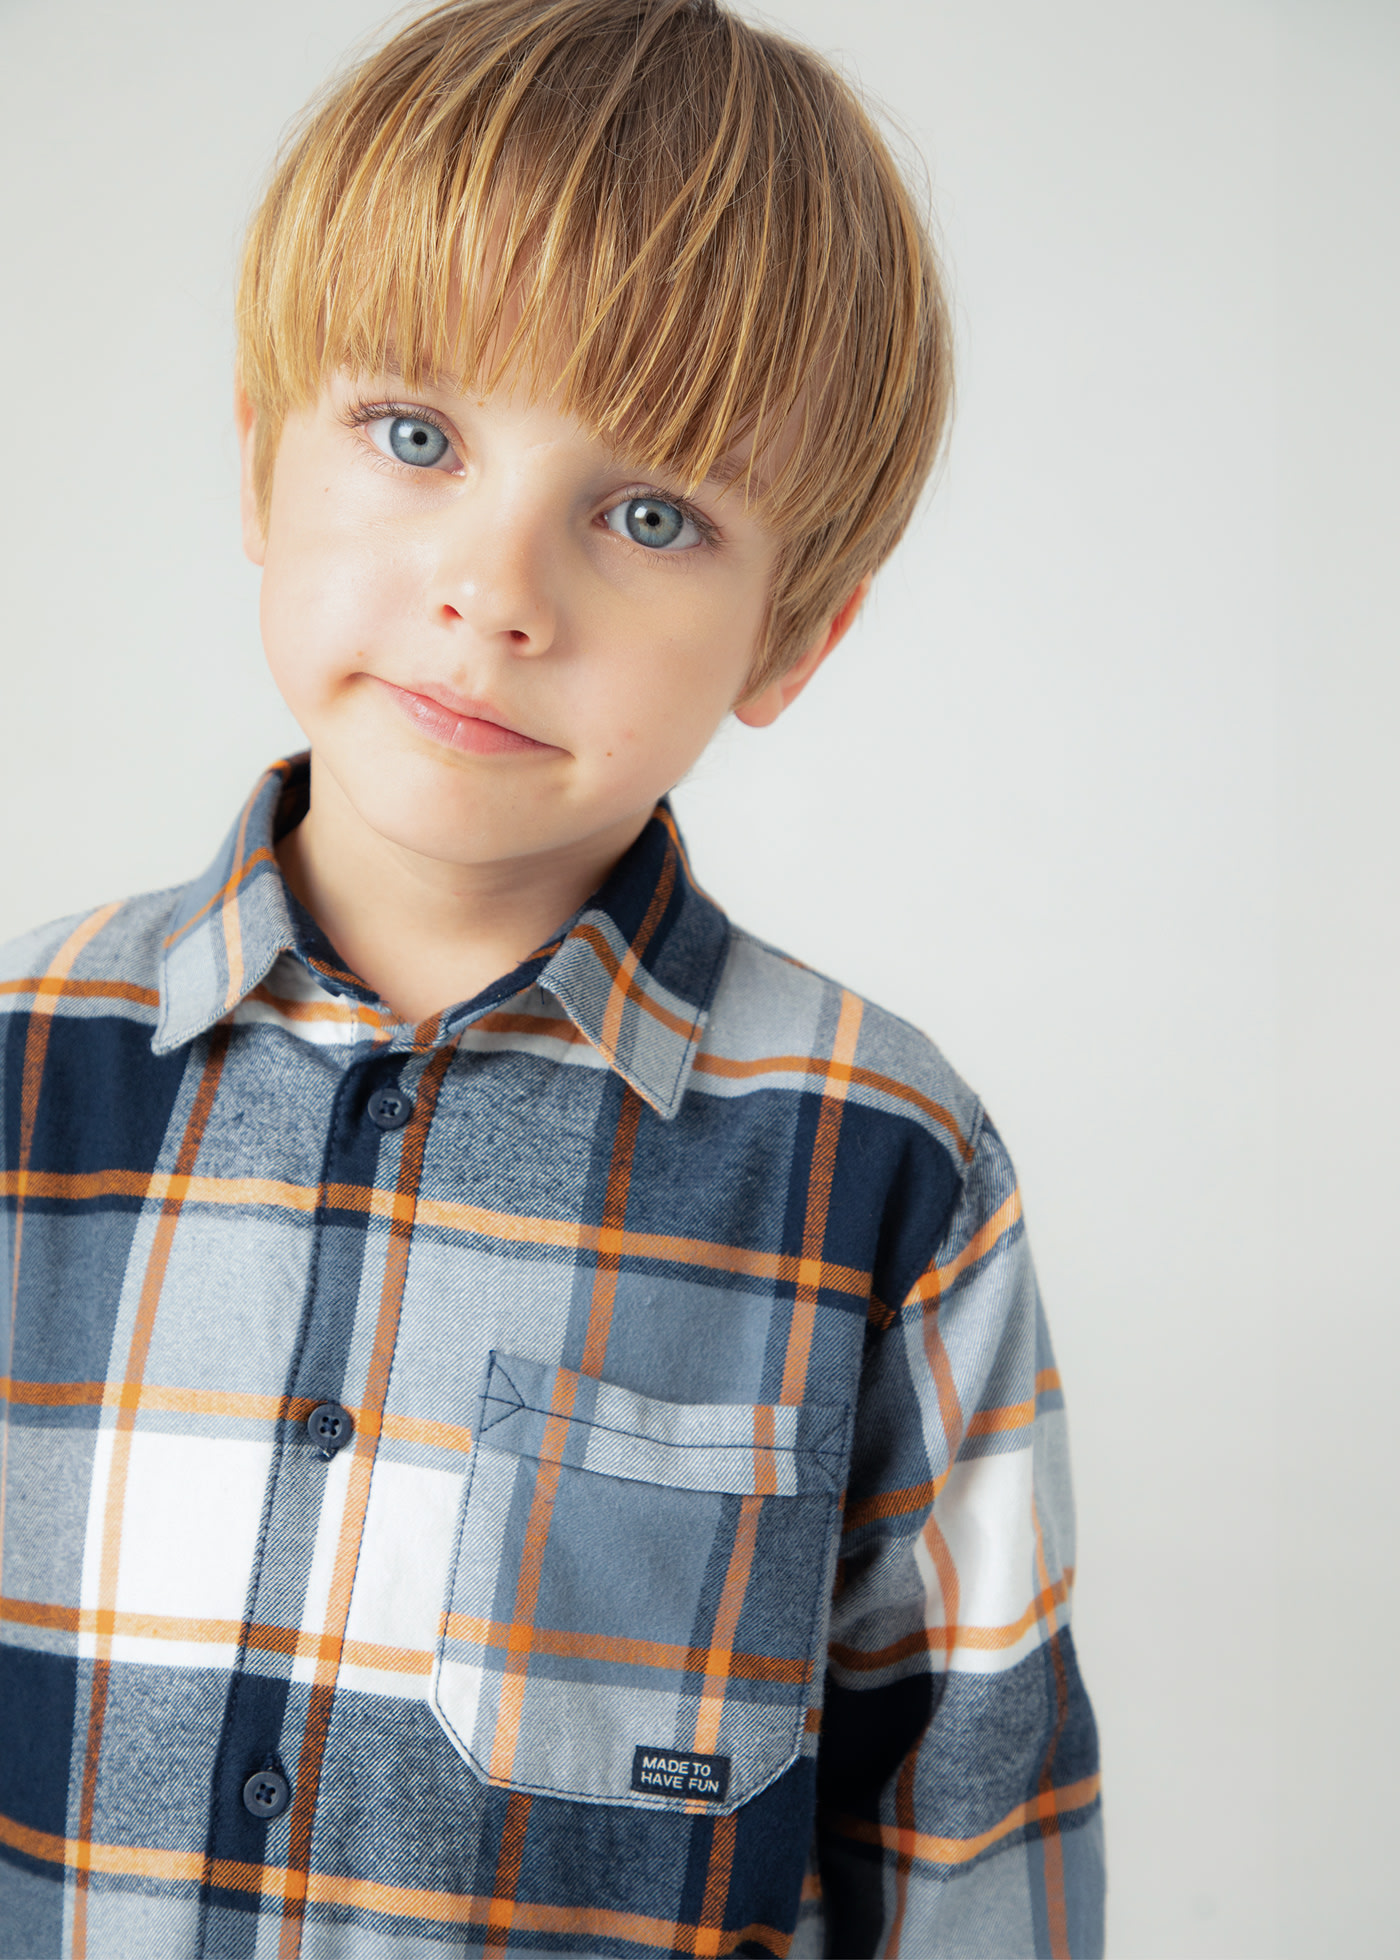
[680, 1561]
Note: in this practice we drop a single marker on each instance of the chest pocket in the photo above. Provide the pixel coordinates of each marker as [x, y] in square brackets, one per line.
[637, 1596]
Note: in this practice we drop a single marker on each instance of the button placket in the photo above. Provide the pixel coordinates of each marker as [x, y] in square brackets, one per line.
[262, 1707]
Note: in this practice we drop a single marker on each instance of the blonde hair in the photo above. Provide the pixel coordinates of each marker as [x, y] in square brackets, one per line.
[701, 237]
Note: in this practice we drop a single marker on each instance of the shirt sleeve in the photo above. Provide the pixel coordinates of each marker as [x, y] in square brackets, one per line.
[958, 1806]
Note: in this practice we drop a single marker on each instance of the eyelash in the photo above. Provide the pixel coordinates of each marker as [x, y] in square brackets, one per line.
[360, 414]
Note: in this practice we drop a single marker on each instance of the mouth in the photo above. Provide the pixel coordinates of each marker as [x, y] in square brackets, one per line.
[471, 727]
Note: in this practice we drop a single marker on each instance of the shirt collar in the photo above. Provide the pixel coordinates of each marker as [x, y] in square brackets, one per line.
[635, 969]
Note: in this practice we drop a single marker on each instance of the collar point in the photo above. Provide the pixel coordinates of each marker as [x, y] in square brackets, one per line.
[666, 1107]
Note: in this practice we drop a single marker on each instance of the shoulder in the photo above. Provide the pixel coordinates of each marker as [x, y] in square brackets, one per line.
[772, 1016]
[105, 958]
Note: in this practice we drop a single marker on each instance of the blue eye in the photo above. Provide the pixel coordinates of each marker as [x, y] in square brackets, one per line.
[416, 440]
[420, 443]
[653, 522]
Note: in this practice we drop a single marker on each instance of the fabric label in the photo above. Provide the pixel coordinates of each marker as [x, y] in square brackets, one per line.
[662, 1773]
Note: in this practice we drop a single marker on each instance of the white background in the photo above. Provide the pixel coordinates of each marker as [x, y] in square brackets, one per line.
[1102, 791]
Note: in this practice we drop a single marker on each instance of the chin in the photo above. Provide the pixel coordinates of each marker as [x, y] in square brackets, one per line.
[451, 835]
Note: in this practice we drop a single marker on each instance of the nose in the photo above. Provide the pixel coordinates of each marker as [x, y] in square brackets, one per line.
[492, 577]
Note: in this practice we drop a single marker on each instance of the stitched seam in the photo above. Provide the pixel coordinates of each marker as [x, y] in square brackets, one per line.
[723, 1443]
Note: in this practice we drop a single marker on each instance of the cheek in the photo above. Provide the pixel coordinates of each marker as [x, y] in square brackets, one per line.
[323, 599]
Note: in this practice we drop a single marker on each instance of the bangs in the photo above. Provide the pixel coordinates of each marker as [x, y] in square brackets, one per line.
[686, 231]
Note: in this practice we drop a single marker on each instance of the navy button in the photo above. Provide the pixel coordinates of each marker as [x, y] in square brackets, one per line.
[330, 1429]
[390, 1108]
[266, 1794]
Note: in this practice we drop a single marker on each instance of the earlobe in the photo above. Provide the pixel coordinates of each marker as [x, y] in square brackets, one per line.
[761, 710]
[254, 536]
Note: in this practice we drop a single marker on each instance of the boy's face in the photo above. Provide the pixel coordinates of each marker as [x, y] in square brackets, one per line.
[500, 637]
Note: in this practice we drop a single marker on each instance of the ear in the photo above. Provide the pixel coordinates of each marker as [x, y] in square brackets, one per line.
[254, 536]
[761, 710]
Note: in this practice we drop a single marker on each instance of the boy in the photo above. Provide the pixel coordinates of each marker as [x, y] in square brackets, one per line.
[530, 1425]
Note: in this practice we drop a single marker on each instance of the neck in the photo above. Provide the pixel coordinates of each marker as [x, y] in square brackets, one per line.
[424, 932]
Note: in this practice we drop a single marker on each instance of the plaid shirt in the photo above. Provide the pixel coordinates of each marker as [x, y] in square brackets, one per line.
[585, 1474]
